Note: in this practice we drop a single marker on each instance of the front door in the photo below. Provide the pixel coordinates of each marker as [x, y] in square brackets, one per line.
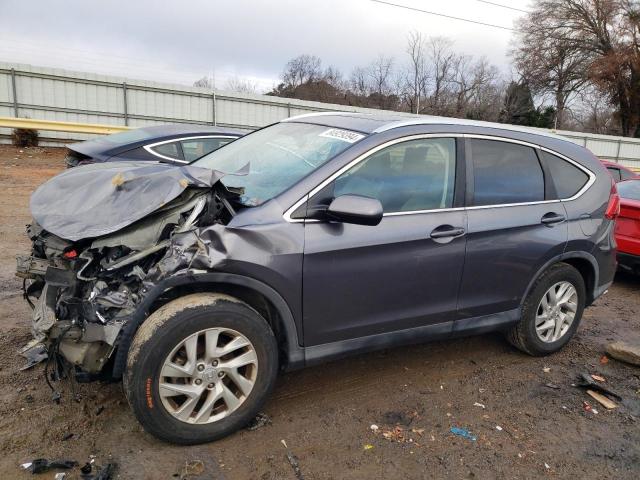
[403, 273]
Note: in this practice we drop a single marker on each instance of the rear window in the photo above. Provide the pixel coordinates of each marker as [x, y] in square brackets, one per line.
[629, 189]
[505, 173]
[567, 178]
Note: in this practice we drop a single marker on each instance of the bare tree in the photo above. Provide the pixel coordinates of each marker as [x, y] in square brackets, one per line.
[240, 85]
[441, 60]
[204, 82]
[301, 69]
[607, 32]
[415, 74]
[551, 64]
[380, 73]
[359, 82]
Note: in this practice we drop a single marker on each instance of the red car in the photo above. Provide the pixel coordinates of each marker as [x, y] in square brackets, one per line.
[619, 172]
[627, 228]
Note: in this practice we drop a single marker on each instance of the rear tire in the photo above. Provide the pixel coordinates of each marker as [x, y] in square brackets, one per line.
[530, 334]
[181, 347]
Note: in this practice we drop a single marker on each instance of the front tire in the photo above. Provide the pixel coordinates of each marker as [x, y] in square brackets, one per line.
[551, 312]
[200, 368]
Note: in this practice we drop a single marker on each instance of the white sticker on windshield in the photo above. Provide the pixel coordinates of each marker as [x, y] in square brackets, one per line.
[344, 135]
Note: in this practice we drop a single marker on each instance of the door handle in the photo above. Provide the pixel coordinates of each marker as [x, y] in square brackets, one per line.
[447, 231]
[552, 218]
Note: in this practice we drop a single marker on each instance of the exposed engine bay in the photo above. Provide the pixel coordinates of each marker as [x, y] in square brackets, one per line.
[83, 288]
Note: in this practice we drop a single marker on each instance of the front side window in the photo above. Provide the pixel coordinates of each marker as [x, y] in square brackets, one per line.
[409, 176]
[567, 178]
[505, 173]
[265, 163]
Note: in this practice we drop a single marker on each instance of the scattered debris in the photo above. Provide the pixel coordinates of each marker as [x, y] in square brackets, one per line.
[104, 473]
[419, 431]
[546, 465]
[604, 360]
[624, 352]
[499, 428]
[395, 435]
[604, 401]
[68, 436]
[598, 378]
[259, 421]
[60, 476]
[552, 385]
[546, 369]
[191, 469]
[86, 468]
[588, 408]
[374, 428]
[476, 404]
[293, 461]
[464, 433]
[41, 465]
[587, 382]
[99, 410]
[368, 447]
[34, 355]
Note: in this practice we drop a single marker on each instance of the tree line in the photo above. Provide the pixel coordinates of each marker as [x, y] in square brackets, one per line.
[575, 65]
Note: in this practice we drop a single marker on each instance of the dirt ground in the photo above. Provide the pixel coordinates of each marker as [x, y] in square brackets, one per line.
[524, 428]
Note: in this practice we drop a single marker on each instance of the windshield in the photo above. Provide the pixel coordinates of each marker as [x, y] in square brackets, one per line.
[271, 160]
[629, 189]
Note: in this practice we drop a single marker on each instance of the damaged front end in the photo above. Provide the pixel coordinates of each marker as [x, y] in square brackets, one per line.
[96, 252]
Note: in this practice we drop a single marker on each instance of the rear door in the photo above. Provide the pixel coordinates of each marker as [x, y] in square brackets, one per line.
[403, 273]
[514, 225]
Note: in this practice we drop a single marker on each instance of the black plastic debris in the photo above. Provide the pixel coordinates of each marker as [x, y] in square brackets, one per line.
[67, 436]
[259, 421]
[86, 468]
[105, 472]
[587, 382]
[34, 356]
[42, 465]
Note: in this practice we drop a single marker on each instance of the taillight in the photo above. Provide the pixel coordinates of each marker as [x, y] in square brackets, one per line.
[613, 208]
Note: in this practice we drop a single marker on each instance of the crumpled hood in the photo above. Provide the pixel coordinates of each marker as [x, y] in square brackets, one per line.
[98, 199]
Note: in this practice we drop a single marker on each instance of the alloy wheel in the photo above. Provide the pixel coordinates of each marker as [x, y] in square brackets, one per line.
[208, 375]
[556, 312]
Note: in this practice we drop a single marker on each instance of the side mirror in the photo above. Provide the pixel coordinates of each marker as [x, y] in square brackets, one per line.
[355, 209]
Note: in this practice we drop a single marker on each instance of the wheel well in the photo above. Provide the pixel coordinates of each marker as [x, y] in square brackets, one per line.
[588, 274]
[254, 299]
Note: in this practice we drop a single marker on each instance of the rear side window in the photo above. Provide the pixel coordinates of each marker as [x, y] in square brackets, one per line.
[198, 147]
[409, 176]
[567, 178]
[170, 150]
[505, 173]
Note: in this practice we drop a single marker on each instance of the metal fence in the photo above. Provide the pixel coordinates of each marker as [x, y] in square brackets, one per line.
[53, 94]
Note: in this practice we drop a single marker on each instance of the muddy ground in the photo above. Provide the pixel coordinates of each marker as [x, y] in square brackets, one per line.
[325, 413]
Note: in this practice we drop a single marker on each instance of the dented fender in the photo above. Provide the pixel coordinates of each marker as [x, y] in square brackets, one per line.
[294, 350]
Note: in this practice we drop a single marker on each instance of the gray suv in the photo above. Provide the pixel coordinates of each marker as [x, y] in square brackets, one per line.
[313, 238]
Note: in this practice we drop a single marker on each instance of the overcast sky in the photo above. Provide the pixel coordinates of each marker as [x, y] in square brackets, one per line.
[180, 41]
